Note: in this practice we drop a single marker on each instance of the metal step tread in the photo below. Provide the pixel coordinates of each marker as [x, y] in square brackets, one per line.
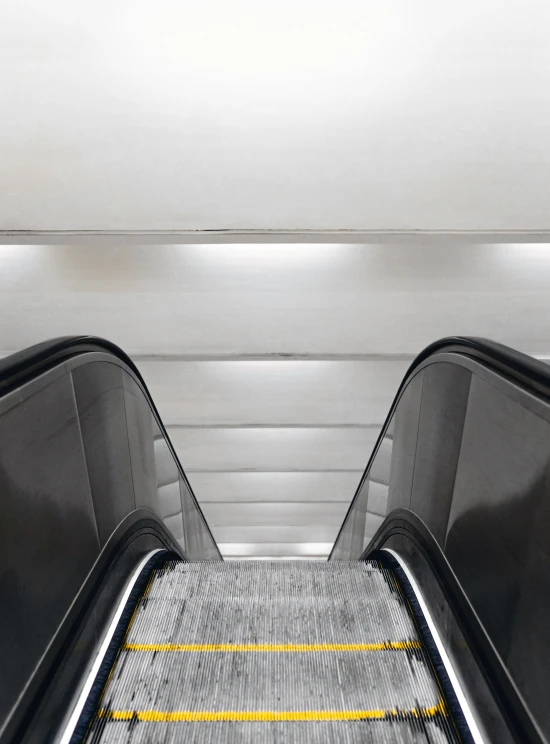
[272, 651]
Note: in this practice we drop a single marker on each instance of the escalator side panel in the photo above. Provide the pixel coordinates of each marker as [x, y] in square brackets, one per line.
[76, 459]
[48, 534]
[471, 457]
[99, 395]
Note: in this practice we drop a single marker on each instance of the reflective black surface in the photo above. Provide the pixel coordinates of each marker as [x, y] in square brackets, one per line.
[72, 651]
[48, 533]
[471, 457]
[78, 438]
[99, 395]
[499, 710]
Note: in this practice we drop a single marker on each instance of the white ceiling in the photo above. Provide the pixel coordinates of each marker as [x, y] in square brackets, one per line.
[298, 114]
[275, 365]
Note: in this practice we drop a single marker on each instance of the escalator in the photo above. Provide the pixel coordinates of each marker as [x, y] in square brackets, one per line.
[121, 623]
[325, 652]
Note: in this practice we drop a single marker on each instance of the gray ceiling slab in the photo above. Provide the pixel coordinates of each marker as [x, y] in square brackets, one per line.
[272, 487]
[274, 449]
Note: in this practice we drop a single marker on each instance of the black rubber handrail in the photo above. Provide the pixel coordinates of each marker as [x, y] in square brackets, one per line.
[27, 364]
[24, 366]
[531, 374]
[404, 522]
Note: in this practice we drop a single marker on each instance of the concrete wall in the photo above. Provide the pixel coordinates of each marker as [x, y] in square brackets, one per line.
[309, 115]
[274, 366]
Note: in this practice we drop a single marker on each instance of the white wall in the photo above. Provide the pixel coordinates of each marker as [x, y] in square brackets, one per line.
[297, 114]
[274, 366]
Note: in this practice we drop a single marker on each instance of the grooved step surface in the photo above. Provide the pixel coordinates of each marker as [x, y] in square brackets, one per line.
[259, 651]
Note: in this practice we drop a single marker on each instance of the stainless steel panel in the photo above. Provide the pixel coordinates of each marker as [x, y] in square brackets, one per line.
[169, 500]
[500, 482]
[380, 470]
[474, 684]
[174, 524]
[66, 482]
[359, 521]
[167, 470]
[140, 442]
[444, 400]
[102, 413]
[471, 457]
[405, 436]
[198, 542]
[529, 654]
[48, 533]
[378, 498]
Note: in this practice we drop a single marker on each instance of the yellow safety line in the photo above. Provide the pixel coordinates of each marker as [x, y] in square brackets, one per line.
[274, 647]
[158, 716]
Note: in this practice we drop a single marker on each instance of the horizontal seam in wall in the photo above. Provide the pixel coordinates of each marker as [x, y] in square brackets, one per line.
[271, 470]
[253, 425]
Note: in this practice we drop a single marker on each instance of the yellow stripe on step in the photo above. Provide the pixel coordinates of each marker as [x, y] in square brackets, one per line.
[157, 716]
[275, 647]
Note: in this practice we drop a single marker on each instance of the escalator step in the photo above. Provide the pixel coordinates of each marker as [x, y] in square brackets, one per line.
[289, 652]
